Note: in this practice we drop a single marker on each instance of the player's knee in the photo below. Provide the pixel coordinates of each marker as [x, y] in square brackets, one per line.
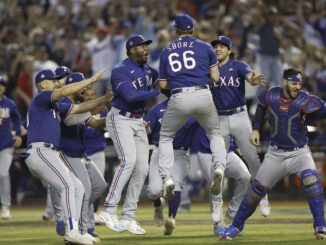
[258, 189]
[308, 177]
[153, 193]
[244, 179]
[311, 182]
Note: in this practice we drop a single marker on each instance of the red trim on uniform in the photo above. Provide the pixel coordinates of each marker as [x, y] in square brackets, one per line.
[123, 160]
[60, 177]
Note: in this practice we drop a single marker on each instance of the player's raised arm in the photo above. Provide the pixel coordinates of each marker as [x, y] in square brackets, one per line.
[214, 73]
[91, 104]
[75, 87]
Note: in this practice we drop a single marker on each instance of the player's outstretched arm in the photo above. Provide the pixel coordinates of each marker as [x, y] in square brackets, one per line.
[91, 104]
[76, 87]
[214, 73]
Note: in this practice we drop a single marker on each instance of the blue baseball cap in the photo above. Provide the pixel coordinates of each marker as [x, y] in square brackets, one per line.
[3, 81]
[74, 77]
[224, 40]
[46, 74]
[137, 40]
[183, 22]
[62, 71]
[295, 77]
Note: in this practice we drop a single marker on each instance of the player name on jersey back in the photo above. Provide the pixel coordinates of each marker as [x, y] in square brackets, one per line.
[180, 44]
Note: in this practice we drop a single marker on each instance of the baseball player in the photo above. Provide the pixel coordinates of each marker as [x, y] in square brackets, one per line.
[229, 98]
[61, 72]
[288, 153]
[43, 139]
[187, 66]
[95, 143]
[73, 151]
[235, 169]
[8, 114]
[132, 81]
[181, 143]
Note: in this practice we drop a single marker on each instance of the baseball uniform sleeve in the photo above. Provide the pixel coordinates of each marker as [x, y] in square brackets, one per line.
[63, 108]
[152, 119]
[43, 98]
[262, 98]
[155, 76]
[163, 64]
[244, 69]
[315, 109]
[126, 90]
[212, 56]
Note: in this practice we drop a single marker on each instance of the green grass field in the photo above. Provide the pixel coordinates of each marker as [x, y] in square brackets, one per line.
[289, 223]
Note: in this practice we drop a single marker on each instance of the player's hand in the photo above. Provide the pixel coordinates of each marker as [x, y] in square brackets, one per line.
[17, 141]
[146, 124]
[109, 96]
[98, 75]
[260, 79]
[255, 138]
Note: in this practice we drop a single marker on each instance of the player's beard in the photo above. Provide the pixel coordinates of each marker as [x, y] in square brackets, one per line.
[290, 93]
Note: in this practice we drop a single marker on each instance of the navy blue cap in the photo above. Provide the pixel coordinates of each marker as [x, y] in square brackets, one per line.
[226, 41]
[74, 77]
[3, 81]
[46, 74]
[183, 22]
[296, 77]
[137, 40]
[62, 71]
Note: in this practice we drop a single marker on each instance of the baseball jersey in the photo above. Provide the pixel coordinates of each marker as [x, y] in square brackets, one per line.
[132, 84]
[43, 120]
[229, 91]
[201, 142]
[94, 140]
[8, 114]
[72, 137]
[184, 135]
[287, 117]
[185, 62]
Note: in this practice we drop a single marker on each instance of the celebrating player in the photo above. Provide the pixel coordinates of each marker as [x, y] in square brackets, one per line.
[288, 153]
[187, 66]
[229, 98]
[132, 81]
[8, 114]
[181, 144]
[43, 138]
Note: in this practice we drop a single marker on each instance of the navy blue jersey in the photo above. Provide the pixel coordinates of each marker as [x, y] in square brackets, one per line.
[154, 118]
[94, 140]
[287, 117]
[186, 62]
[229, 91]
[132, 84]
[72, 137]
[184, 135]
[43, 121]
[201, 142]
[8, 115]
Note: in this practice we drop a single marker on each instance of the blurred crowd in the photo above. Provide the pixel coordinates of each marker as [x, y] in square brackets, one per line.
[87, 35]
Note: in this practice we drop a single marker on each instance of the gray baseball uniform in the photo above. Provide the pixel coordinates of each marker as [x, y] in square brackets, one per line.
[186, 67]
